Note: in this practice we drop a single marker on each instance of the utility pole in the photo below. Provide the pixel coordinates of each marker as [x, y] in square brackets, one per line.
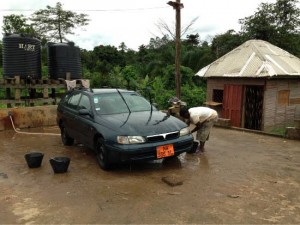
[177, 6]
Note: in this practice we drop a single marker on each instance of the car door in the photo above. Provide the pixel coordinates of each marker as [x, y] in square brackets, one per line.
[85, 122]
[70, 113]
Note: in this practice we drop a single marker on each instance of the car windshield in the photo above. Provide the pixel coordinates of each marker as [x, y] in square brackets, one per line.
[113, 103]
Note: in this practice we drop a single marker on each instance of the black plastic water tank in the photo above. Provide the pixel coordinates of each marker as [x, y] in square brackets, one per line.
[64, 58]
[21, 56]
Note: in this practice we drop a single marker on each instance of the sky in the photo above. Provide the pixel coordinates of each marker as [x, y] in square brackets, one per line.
[134, 22]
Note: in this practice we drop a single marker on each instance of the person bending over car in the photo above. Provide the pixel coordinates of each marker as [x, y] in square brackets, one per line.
[203, 118]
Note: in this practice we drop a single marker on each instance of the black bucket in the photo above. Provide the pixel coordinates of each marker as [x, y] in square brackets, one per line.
[60, 164]
[34, 159]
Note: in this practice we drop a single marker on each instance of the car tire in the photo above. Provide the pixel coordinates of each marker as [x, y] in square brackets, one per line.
[66, 139]
[101, 154]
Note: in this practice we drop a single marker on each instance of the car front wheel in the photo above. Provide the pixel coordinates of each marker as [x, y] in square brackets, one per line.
[66, 139]
[101, 154]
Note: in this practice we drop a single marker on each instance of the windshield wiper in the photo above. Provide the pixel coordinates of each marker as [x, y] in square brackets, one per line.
[123, 100]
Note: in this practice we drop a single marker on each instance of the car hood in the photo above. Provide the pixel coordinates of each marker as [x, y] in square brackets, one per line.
[141, 123]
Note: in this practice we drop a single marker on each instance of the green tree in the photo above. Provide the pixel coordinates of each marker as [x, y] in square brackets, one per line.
[160, 93]
[151, 59]
[157, 42]
[131, 77]
[116, 78]
[224, 43]
[17, 24]
[192, 39]
[288, 25]
[261, 25]
[193, 95]
[277, 23]
[1, 54]
[105, 58]
[54, 23]
[195, 54]
[123, 48]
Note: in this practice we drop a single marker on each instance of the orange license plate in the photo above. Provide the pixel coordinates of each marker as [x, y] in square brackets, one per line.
[164, 151]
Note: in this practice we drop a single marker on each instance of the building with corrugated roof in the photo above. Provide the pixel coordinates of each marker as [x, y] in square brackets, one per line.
[256, 86]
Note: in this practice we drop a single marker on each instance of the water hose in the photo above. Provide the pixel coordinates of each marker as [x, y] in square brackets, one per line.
[21, 132]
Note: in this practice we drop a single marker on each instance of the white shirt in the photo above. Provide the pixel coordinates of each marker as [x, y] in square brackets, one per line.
[201, 114]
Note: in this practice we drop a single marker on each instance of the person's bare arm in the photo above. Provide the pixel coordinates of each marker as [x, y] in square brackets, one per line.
[197, 127]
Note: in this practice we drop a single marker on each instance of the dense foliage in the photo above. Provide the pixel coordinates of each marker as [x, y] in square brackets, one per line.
[151, 69]
[276, 23]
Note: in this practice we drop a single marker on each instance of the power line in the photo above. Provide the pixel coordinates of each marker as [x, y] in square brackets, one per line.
[88, 10]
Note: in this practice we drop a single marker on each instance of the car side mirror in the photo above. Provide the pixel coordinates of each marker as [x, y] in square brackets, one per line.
[84, 112]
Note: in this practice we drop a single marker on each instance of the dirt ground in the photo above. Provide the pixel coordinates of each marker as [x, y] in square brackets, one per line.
[241, 178]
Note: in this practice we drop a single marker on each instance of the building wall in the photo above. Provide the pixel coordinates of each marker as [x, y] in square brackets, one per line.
[282, 103]
[218, 83]
[281, 99]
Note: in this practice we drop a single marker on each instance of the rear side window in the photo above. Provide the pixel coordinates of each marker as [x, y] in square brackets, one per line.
[84, 103]
[74, 100]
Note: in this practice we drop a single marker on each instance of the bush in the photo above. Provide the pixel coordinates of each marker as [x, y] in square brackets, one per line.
[194, 96]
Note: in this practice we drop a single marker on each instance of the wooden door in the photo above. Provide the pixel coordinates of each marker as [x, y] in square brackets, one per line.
[232, 104]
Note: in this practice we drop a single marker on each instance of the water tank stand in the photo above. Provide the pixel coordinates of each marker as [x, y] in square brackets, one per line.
[29, 92]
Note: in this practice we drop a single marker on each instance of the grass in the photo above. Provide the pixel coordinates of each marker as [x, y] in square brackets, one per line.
[278, 131]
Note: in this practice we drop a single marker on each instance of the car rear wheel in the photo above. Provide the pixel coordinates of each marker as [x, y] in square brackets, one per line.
[66, 139]
[101, 154]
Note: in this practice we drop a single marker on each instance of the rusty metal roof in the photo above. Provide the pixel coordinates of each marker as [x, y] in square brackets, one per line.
[254, 58]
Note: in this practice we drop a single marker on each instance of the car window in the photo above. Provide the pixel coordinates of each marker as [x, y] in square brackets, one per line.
[73, 100]
[84, 103]
[65, 98]
[113, 103]
[109, 103]
[137, 102]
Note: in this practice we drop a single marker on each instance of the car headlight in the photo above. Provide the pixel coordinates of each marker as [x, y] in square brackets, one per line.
[126, 140]
[185, 131]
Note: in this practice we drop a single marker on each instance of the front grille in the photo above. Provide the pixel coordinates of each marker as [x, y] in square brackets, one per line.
[163, 137]
[150, 153]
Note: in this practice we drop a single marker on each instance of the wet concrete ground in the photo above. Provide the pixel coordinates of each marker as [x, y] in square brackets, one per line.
[241, 178]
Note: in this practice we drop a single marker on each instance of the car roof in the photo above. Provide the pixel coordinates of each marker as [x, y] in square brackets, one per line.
[101, 90]
[108, 90]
